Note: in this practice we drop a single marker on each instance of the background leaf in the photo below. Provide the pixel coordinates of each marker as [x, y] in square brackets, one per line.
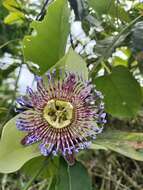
[15, 12]
[13, 17]
[11, 5]
[13, 155]
[137, 38]
[48, 45]
[109, 7]
[122, 93]
[122, 142]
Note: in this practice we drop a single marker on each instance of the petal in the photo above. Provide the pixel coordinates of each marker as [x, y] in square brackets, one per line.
[46, 149]
[69, 83]
[29, 139]
[29, 121]
[25, 102]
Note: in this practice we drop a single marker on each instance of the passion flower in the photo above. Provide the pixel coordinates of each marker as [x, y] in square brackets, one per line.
[63, 115]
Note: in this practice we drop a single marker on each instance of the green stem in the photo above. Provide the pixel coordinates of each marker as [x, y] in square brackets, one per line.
[50, 183]
[105, 67]
[38, 172]
[112, 46]
[13, 95]
[9, 42]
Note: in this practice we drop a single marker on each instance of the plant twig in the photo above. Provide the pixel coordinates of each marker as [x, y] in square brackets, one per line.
[111, 179]
[130, 180]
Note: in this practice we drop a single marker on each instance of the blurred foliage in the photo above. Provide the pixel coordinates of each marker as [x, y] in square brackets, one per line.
[115, 64]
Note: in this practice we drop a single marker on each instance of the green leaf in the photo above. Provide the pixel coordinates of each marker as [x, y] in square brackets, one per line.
[63, 180]
[48, 44]
[11, 5]
[139, 6]
[72, 62]
[52, 184]
[12, 154]
[34, 164]
[14, 17]
[112, 8]
[15, 14]
[129, 144]
[118, 59]
[102, 45]
[71, 178]
[79, 177]
[137, 37]
[122, 93]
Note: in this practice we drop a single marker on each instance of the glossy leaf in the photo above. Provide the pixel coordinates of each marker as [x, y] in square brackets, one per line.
[13, 155]
[122, 93]
[47, 45]
[127, 143]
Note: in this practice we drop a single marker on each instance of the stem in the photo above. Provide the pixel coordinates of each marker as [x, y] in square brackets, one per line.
[38, 172]
[14, 95]
[112, 46]
[42, 12]
[9, 42]
[71, 41]
[50, 183]
[68, 169]
[105, 67]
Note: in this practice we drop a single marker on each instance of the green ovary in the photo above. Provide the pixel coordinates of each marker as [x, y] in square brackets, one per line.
[58, 113]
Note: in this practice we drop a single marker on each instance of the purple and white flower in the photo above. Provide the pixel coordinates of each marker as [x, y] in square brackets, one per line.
[63, 115]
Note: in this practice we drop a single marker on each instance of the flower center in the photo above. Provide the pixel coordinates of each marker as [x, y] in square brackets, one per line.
[58, 113]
